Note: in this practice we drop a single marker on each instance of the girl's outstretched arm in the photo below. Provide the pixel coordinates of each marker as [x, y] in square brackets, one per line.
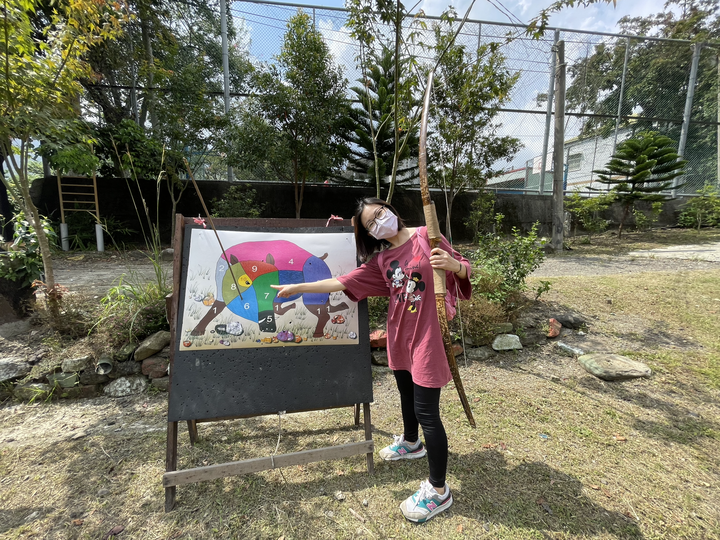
[323, 286]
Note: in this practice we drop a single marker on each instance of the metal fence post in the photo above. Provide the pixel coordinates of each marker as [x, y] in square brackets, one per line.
[548, 117]
[688, 107]
[558, 218]
[622, 93]
[226, 66]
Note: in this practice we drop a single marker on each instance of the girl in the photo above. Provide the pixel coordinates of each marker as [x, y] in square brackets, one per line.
[396, 265]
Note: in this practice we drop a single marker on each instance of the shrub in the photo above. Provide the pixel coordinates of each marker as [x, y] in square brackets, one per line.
[377, 310]
[479, 317]
[481, 215]
[703, 210]
[586, 211]
[502, 265]
[23, 264]
[646, 221]
[239, 201]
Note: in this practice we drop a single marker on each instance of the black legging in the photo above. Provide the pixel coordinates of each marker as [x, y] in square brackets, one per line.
[422, 405]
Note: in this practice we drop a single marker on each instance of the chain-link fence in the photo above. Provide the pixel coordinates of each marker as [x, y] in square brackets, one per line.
[617, 86]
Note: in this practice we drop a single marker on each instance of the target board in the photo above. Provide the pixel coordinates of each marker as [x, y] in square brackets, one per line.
[240, 350]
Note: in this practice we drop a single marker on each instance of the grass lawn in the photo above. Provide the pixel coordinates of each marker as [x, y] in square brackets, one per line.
[557, 453]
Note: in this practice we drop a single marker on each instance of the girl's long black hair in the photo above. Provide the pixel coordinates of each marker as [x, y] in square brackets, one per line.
[366, 244]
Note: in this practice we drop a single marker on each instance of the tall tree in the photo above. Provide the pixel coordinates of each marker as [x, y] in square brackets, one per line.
[371, 138]
[295, 124]
[641, 169]
[43, 59]
[656, 85]
[465, 148]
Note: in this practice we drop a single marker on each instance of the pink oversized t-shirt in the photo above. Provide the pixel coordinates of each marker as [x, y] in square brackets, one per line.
[414, 338]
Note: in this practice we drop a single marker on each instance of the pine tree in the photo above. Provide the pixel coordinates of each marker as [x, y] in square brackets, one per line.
[376, 101]
[641, 169]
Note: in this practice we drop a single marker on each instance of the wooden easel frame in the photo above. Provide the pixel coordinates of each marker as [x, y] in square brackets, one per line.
[172, 477]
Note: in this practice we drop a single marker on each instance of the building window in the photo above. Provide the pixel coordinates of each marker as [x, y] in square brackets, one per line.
[574, 162]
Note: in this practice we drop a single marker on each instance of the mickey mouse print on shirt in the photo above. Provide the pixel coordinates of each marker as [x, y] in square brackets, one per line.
[406, 283]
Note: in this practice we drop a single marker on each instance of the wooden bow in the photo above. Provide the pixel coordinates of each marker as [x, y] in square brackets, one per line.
[433, 230]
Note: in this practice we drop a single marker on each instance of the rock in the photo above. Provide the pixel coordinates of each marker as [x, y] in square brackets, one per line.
[554, 330]
[167, 254]
[479, 353]
[71, 365]
[32, 391]
[90, 377]
[14, 329]
[63, 380]
[13, 368]
[379, 358]
[122, 369]
[378, 338]
[35, 358]
[613, 367]
[458, 350]
[155, 366]
[152, 345]
[571, 321]
[506, 342]
[339, 496]
[125, 353]
[81, 392]
[126, 386]
[161, 383]
[103, 492]
[503, 328]
[569, 349]
[532, 336]
[7, 313]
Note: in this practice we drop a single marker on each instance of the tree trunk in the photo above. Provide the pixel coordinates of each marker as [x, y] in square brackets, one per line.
[448, 214]
[396, 102]
[622, 221]
[148, 102]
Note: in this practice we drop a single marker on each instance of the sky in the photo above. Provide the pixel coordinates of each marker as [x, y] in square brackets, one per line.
[601, 17]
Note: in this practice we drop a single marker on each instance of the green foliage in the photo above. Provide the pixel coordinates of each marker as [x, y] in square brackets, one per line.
[646, 221]
[378, 310]
[132, 311]
[482, 214]
[371, 126]
[23, 262]
[703, 210]
[295, 122]
[501, 266]
[464, 145]
[479, 318]
[587, 210]
[238, 201]
[640, 169]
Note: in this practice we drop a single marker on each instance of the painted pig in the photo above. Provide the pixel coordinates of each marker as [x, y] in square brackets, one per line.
[246, 271]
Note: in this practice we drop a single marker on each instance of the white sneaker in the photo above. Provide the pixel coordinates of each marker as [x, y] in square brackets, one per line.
[401, 449]
[426, 503]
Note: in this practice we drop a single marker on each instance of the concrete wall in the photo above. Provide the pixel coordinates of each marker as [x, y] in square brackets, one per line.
[319, 202]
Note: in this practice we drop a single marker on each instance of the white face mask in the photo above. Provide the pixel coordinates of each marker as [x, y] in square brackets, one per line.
[384, 226]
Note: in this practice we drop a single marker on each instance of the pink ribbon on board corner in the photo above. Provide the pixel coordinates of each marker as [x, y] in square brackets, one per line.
[333, 217]
[200, 221]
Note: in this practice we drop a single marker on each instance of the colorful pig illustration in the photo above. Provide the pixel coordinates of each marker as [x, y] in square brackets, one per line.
[243, 284]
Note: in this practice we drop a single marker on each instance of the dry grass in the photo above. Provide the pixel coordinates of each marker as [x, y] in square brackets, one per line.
[556, 454]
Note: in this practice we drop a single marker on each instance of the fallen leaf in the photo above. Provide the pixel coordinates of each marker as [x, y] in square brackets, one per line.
[78, 258]
[339, 472]
[78, 522]
[459, 528]
[620, 438]
[476, 399]
[489, 445]
[593, 486]
[606, 493]
[552, 482]
[503, 446]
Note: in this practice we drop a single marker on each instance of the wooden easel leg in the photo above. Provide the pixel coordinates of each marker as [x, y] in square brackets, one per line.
[356, 407]
[368, 436]
[192, 430]
[171, 462]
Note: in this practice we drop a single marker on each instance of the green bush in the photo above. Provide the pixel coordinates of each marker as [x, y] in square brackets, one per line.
[481, 218]
[646, 221]
[81, 231]
[239, 201]
[586, 211]
[703, 210]
[377, 310]
[502, 265]
[23, 262]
